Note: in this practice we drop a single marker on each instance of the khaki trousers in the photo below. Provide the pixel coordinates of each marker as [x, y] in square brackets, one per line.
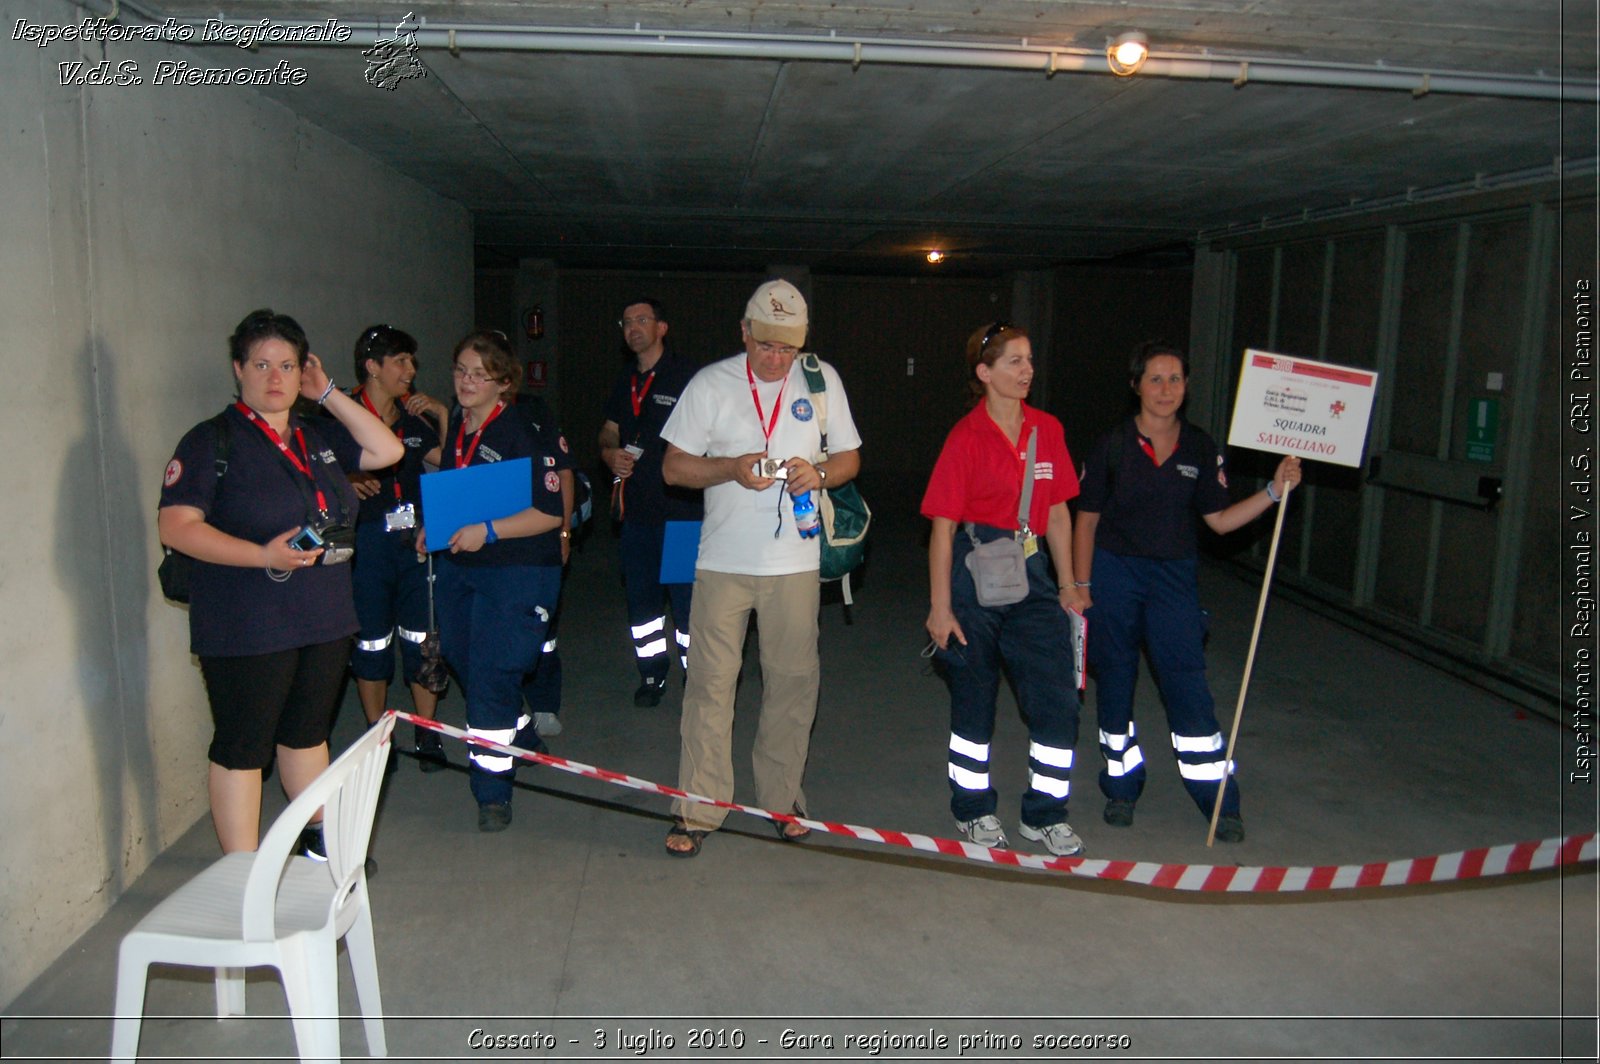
[786, 609]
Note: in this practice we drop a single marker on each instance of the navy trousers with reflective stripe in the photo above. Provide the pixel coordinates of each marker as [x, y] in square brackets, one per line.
[492, 623]
[641, 577]
[391, 594]
[1154, 604]
[1032, 639]
[542, 687]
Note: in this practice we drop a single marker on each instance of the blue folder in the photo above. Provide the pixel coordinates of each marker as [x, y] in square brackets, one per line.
[680, 549]
[455, 498]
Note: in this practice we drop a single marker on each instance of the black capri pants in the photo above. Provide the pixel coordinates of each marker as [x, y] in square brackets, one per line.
[262, 701]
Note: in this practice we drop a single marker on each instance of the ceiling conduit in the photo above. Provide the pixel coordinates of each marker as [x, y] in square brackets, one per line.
[1045, 59]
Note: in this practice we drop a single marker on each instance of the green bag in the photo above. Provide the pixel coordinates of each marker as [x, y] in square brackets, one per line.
[845, 514]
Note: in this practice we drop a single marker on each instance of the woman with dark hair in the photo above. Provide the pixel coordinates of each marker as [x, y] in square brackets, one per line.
[1143, 485]
[270, 616]
[391, 582]
[498, 580]
[1000, 454]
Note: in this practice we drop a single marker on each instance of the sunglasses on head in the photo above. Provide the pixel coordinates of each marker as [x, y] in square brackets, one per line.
[994, 330]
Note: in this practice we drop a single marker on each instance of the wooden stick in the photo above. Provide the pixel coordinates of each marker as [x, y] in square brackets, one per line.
[1249, 664]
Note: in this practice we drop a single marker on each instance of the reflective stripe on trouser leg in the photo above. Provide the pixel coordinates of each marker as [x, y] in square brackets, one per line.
[373, 646]
[492, 760]
[649, 639]
[969, 764]
[1203, 764]
[683, 649]
[1050, 770]
[1123, 776]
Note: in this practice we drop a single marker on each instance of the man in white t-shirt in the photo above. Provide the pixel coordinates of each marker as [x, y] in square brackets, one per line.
[733, 416]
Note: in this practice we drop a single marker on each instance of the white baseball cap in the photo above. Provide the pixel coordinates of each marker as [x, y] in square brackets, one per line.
[777, 314]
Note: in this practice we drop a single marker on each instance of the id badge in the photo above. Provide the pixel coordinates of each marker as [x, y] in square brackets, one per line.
[399, 519]
[1030, 547]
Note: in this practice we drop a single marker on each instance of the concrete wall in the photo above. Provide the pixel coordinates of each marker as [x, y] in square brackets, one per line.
[139, 225]
[1452, 303]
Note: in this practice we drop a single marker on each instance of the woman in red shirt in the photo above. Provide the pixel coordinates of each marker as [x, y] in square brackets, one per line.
[975, 496]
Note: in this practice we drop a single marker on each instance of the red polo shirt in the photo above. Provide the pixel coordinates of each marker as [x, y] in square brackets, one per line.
[978, 476]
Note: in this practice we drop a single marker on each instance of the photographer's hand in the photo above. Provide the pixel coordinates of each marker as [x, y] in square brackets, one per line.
[277, 554]
[744, 472]
[803, 476]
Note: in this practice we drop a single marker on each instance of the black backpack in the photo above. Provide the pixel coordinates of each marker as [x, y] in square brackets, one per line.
[176, 567]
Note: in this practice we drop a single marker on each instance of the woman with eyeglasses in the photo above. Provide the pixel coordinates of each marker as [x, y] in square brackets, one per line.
[1144, 484]
[976, 496]
[391, 582]
[270, 616]
[498, 580]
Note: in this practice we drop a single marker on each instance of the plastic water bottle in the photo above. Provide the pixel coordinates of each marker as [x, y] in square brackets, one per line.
[806, 521]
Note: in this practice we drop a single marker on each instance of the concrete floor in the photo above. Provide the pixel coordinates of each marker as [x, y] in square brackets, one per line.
[575, 925]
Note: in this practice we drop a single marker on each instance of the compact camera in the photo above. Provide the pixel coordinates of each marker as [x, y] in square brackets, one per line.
[772, 468]
[338, 542]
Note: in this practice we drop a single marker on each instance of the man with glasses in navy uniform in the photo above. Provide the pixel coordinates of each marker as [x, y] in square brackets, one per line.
[631, 447]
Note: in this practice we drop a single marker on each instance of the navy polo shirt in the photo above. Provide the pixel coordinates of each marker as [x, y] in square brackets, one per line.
[647, 497]
[419, 436]
[236, 611]
[1146, 510]
[506, 437]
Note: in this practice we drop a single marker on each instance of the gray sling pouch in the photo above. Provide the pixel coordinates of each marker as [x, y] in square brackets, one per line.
[1000, 567]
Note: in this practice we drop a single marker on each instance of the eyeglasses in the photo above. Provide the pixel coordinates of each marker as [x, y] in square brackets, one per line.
[994, 330]
[476, 376]
[642, 319]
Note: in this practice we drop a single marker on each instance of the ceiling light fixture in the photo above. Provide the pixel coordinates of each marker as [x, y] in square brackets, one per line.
[1127, 53]
[935, 256]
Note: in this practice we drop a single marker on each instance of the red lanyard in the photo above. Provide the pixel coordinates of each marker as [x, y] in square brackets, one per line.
[1147, 447]
[401, 436]
[461, 434]
[767, 423]
[636, 393]
[301, 461]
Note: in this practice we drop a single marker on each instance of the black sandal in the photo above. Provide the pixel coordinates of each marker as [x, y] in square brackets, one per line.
[681, 830]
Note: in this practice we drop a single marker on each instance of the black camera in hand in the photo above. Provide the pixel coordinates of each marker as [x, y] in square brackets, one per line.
[338, 542]
[772, 468]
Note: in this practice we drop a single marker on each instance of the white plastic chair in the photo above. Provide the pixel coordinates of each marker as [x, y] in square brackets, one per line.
[250, 909]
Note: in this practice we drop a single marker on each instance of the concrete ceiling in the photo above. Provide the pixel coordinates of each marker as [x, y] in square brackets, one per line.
[673, 161]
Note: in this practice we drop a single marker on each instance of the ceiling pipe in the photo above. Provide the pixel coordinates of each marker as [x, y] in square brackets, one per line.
[1045, 59]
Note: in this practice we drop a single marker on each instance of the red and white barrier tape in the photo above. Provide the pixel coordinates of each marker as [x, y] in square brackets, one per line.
[1442, 868]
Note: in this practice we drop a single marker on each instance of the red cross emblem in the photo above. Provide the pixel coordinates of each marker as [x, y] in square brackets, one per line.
[1337, 408]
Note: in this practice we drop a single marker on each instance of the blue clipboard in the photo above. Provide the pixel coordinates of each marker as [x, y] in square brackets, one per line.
[680, 549]
[455, 498]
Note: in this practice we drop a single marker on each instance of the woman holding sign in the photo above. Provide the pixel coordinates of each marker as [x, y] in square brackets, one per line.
[498, 580]
[1004, 477]
[1143, 485]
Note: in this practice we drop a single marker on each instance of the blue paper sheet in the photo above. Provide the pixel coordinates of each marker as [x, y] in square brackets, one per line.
[680, 549]
[454, 498]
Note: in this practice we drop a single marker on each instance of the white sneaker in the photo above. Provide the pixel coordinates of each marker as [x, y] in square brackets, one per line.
[1057, 838]
[547, 724]
[985, 831]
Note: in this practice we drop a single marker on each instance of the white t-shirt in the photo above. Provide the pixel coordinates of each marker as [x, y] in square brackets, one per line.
[716, 417]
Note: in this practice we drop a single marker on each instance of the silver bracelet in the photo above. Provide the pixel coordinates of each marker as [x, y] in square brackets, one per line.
[326, 392]
[1081, 583]
[1274, 496]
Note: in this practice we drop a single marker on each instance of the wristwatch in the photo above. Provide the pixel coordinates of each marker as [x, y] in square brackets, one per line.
[821, 472]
